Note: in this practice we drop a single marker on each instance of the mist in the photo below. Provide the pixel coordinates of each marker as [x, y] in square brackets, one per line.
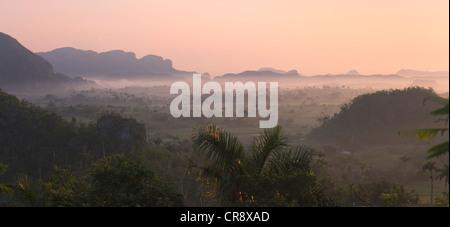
[91, 115]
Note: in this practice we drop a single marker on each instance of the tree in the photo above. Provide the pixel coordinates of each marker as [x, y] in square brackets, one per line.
[430, 166]
[113, 181]
[66, 190]
[271, 173]
[119, 181]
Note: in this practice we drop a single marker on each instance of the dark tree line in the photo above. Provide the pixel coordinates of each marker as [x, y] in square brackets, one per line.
[33, 141]
[48, 161]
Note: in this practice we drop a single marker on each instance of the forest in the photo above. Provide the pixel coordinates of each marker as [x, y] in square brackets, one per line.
[333, 146]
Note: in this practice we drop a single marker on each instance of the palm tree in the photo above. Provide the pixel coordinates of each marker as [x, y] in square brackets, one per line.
[444, 174]
[259, 174]
[430, 166]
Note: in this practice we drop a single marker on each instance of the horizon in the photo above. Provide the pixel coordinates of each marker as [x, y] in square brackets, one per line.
[372, 37]
[263, 68]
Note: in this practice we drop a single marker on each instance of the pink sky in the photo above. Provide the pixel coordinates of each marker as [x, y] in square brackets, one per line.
[221, 36]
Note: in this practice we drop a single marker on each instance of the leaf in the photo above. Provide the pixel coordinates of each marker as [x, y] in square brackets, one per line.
[438, 150]
[441, 111]
[270, 141]
[422, 134]
[291, 161]
[223, 149]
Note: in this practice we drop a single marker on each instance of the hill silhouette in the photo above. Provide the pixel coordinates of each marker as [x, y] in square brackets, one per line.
[23, 71]
[376, 118]
[352, 72]
[263, 74]
[112, 65]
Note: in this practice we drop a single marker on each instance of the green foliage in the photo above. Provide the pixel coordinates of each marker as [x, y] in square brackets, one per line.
[118, 181]
[438, 150]
[27, 191]
[113, 181]
[34, 141]
[384, 193]
[389, 199]
[442, 201]
[4, 189]
[274, 175]
[66, 190]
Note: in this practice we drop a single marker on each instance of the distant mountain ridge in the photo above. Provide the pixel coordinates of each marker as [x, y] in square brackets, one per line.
[64, 68]
[277, 71]
[263, 74]
[111, 65]
[410, 72]
[23, 71]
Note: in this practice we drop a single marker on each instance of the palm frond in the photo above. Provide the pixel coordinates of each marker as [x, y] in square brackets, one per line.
[291, 161]
[422, 134]
[28, 193]
[221, 148]
[429, 166]
[443, 173]
[212, 172]
[270, 141]
[438, 150]
[441, 111]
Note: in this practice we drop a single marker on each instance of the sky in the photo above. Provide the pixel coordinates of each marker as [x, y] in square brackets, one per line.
[231, 36]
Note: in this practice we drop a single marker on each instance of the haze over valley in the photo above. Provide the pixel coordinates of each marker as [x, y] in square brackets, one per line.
[118, 68]
[362, 104]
